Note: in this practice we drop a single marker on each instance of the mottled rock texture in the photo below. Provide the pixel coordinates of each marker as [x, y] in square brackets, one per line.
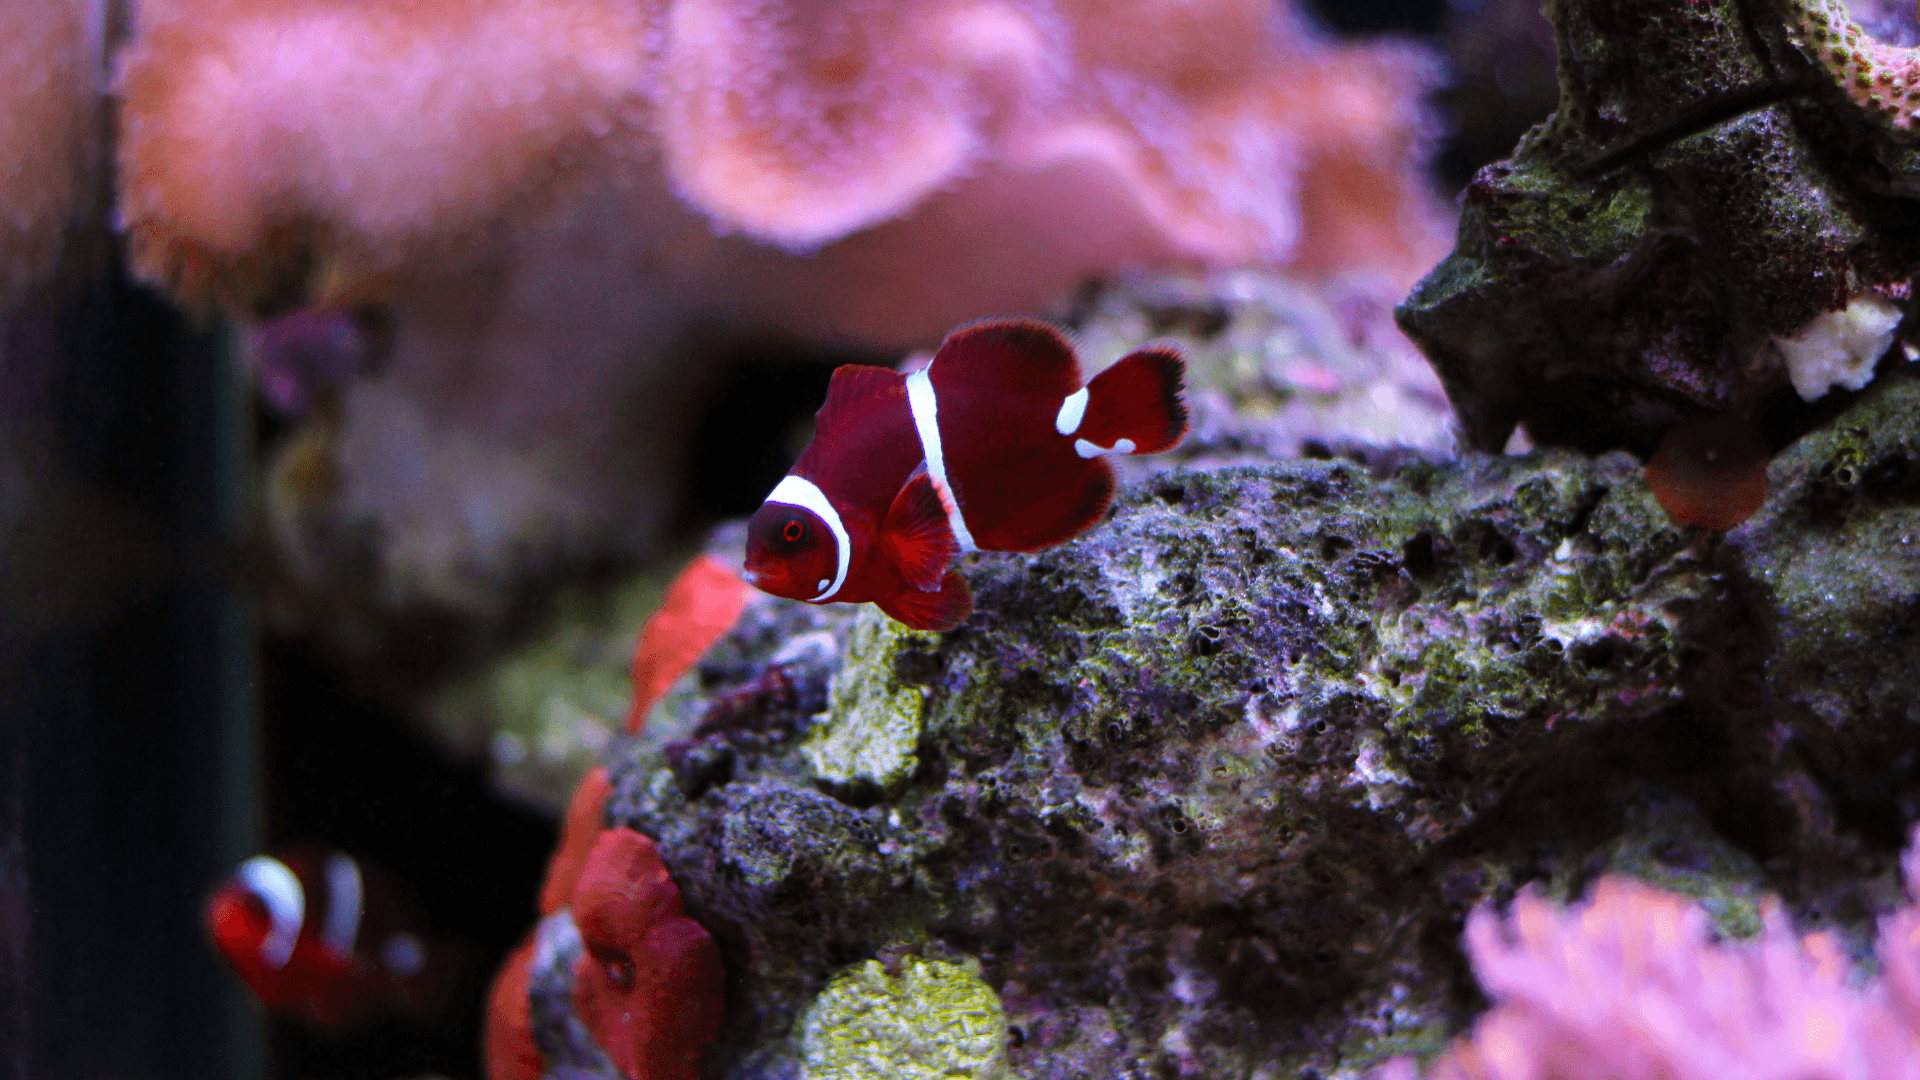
[1208, 791]
[1719, 175]
[565, 1044]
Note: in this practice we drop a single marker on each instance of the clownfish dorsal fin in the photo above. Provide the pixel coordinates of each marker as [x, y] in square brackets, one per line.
[939, 610]
[286, 902]
[1026, 353]
[915, 534]
[855, 390]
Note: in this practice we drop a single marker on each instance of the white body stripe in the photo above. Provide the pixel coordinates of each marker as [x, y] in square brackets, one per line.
[803, 493]
[926, 422]
[1088, 450]
[1072, 411]
[269, 879]
[343, 905]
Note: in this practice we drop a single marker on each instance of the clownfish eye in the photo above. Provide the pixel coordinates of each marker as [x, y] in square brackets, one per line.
[793, 531]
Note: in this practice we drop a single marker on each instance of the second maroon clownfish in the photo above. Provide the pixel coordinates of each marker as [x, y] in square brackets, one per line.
[322, 939]
[996, 445]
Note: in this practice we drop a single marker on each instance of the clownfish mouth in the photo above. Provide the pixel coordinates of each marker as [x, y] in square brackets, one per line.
[751, 577]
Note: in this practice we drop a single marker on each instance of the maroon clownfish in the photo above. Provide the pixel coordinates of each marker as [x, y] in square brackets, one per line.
[321, 939]
[994, 446]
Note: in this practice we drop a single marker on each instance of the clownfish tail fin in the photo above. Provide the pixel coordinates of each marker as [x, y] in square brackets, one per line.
[915, 534]
[1137, 400]
[940, 610]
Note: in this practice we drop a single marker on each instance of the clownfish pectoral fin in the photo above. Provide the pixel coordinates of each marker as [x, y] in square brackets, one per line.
[852, 394]
[916, 536]
[940, 610]
[1136, 401]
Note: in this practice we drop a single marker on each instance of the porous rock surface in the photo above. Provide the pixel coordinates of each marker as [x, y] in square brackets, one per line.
[1721, 180]
[1208, 791]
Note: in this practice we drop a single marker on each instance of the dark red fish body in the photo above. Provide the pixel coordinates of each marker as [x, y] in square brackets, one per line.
[996, 445]
[318, 937]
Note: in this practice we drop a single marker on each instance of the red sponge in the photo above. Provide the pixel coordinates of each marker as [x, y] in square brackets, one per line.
[701, 605]
[649, 984]
[1711, 472]
[511, 1053]
[584, 815]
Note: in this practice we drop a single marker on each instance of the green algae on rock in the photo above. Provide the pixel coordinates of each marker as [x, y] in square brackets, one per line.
[872, 723]
[926, 1019]
[1707, 223]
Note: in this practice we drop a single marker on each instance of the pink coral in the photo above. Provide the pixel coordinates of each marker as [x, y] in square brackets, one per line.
[1632, 985]
[50, 51]
[649, 984]
[379, 133]
[254, 130]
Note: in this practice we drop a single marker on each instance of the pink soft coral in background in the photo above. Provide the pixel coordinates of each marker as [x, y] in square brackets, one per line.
[384, 135]
[256, 132]
[50, 54]
[1633, 985]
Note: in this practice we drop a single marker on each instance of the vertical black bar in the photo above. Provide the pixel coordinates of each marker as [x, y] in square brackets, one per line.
[125, 686]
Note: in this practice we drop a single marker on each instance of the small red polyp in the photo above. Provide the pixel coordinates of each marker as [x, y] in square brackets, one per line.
[1710, 472]
[701, 605]
[649, 983]
[510, 1050]
[584, 818]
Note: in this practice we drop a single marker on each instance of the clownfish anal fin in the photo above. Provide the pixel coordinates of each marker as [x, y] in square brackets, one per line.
[916, 536]
[940, 610]
[852, 394]
[1137, 399]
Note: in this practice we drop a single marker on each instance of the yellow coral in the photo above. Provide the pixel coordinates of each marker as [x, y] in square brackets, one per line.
[932, 1021]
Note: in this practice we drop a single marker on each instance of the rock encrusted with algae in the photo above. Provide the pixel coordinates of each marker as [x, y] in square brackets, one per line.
[1719, 178]
[871, 728]
[925, 1019]
[1208, 791]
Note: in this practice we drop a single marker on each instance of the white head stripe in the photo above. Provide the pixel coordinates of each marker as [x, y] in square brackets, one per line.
[1072, 411]
[1088, 450]
[801, 492]
[270, 880]
[343, 904]
[926, 422]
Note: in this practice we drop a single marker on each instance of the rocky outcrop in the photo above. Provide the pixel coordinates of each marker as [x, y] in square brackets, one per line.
[1208, 791]
[1717, 218]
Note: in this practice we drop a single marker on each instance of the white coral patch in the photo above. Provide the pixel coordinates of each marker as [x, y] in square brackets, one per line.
[1839, 348]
